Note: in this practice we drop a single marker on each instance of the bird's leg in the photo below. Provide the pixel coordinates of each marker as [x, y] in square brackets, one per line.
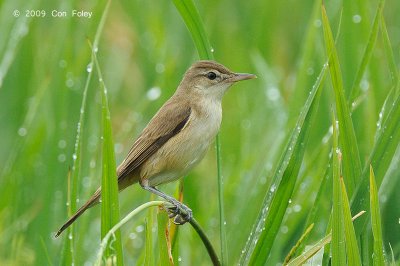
[180, 211]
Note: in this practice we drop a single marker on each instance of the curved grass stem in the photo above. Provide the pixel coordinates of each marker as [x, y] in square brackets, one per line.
[207, 243]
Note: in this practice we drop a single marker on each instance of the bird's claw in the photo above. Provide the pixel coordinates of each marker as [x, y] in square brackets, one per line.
[181, 212]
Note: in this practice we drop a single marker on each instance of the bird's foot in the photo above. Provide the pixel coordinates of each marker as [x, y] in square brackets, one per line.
[180, 211]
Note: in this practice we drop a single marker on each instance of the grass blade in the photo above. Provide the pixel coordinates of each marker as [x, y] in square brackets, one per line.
[109, 183]
[376, 221]
[385, 146]
[347, 138]
[299, 243]
[337, 247]
[115, 228]
[148, 255]
[195, 25]
[73, 182]
[394, 72]
[355, 90]
[162, 220]
[301, 259]
[353, 253]
[274, 207]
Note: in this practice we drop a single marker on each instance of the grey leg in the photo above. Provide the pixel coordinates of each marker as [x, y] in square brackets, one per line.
[181, 212]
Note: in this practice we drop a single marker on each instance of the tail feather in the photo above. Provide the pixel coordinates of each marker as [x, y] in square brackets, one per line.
[90, 203]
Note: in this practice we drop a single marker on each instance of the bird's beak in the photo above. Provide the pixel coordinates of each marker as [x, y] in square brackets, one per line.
[241, 76]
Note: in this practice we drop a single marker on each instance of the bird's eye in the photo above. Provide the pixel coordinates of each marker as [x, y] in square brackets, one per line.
[211, 75]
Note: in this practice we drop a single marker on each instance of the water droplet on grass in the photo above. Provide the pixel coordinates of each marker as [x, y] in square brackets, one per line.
[284, 229]
[139, 228]
[160, 68]
[356, 18]
[61, 158]
[317, 23]
[62, 64]
[69, 83]
[297, 208]
[153, 94]
[89, 67]
[62, 144]
[22, 131]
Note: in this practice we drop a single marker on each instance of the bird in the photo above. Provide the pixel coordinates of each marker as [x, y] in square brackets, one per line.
[177, 137]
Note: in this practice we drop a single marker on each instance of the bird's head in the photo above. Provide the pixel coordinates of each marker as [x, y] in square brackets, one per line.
[210, 79]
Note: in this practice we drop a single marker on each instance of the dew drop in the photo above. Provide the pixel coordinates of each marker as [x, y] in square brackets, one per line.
[139, 228]
[62, 64]
[153, 94]
[92, 164]
[22, 131]
[69, 83]
[317, 23]
[160, 68]
[284, 229]
[61, 157]
[297, 208]
[89, 67]
[62, 144]
[356, 18]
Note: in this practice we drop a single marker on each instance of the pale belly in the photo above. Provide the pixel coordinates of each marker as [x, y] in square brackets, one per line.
[181, 153]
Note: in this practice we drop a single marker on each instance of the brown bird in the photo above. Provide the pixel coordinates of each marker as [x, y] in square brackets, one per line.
[177, 137]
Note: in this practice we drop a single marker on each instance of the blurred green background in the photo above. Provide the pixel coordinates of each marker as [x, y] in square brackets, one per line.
[144, 50]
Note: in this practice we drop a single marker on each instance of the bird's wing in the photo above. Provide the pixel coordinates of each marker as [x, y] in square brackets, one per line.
[168, 122]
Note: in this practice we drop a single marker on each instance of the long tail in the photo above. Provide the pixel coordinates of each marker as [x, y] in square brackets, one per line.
[90, 203]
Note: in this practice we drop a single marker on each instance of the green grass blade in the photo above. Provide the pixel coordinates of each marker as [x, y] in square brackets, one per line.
[347, 138]
[299, 243]
[381, 156]
[355, 90]
[111, 233]
[300, 260]
[162, 220]
[394, 72]
[73, 182]
[376, 221]
[353, 253]
[193, 22]
[149, 256]
[337, 247]
[109, 184]
[274, 207]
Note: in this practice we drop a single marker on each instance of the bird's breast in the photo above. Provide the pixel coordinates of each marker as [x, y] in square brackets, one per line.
[187, 148]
